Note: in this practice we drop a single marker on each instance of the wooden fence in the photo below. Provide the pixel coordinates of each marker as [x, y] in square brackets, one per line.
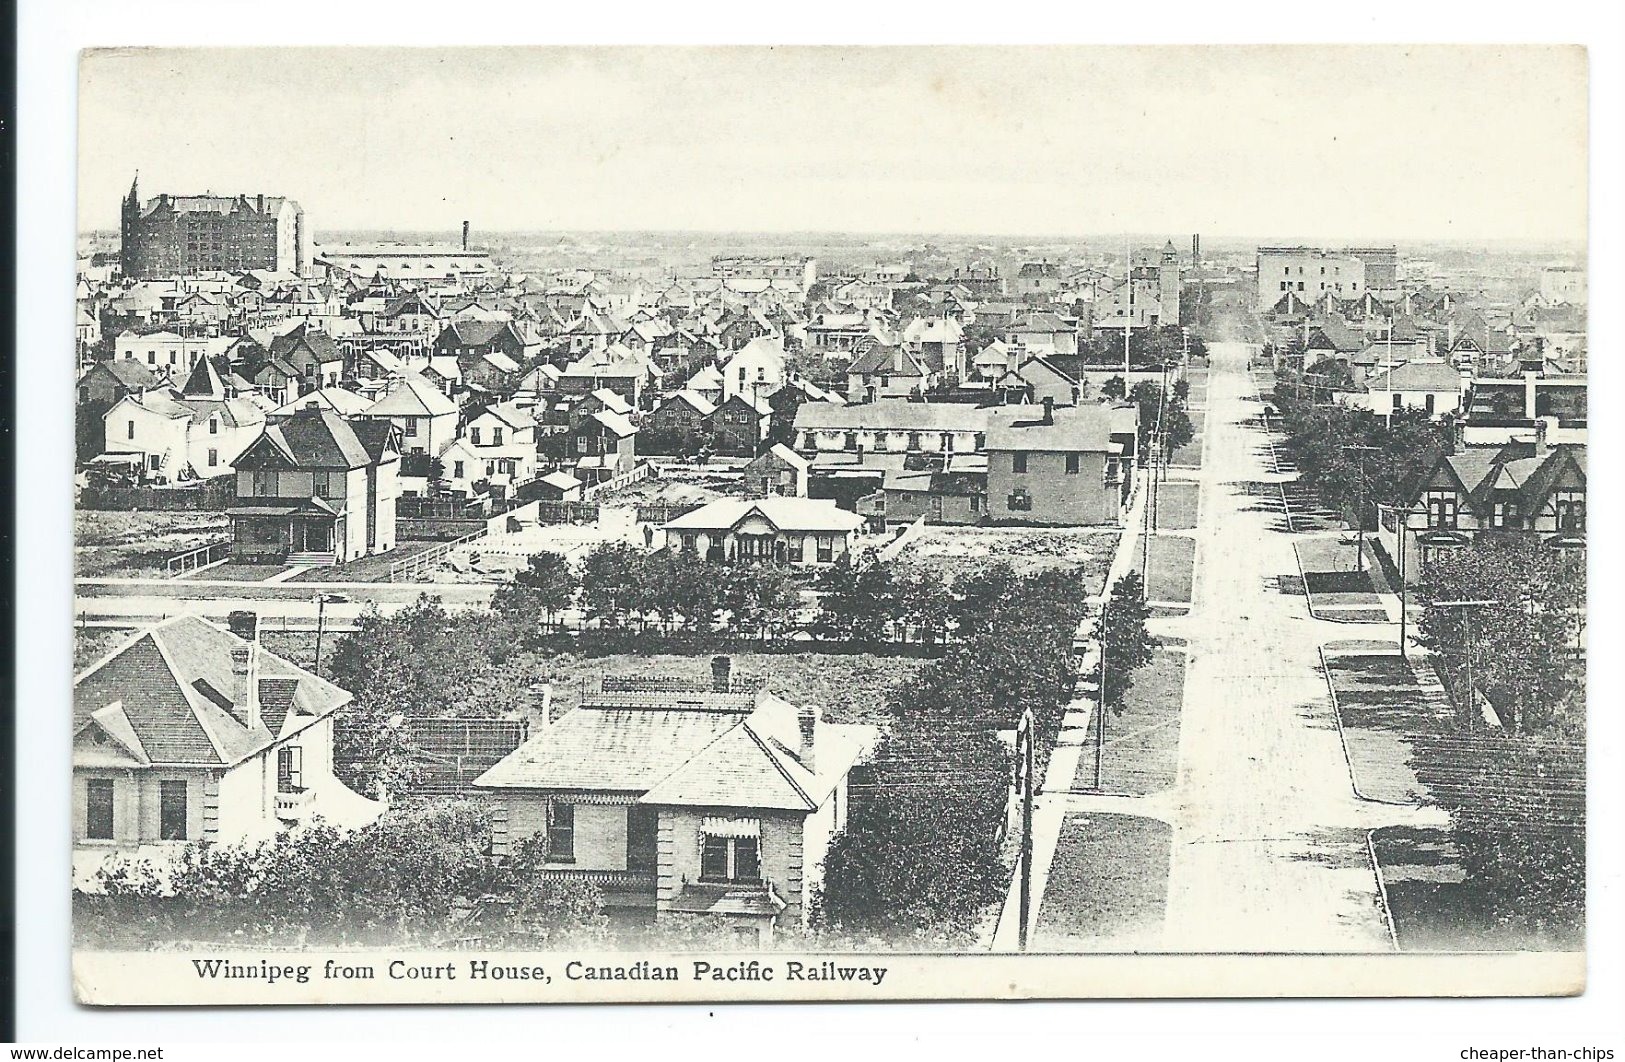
[193, 559]
[212, 495]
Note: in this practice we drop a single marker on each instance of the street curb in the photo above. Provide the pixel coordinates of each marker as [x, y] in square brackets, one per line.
[1309, 598]
[1382, 889]
[1342, 739]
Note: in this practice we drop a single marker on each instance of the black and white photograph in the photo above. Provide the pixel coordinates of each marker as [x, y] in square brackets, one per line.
[593, 524]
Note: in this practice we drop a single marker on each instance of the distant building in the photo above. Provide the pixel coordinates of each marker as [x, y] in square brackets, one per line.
[179, 235]
[1381, 267]
[432, 263]
[802, 271]
[1563, 284]
[1308, 273]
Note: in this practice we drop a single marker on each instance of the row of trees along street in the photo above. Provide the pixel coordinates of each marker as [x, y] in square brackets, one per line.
[919, 861]
[1515, 791]
[1353, 458]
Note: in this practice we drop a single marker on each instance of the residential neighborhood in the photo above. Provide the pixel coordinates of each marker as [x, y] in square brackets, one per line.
[476, 586]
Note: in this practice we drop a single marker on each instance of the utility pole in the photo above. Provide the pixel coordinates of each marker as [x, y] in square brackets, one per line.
[1024, 779]
[1402, 520]
[1467, 646]
[1100, 693]
[1359, 511]
[321, 603]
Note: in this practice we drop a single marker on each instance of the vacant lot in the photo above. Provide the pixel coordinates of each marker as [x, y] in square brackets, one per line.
[953, 551]
[136, 544]
[850, 687]
[1108, 886]
[374, 569]
[673, 492]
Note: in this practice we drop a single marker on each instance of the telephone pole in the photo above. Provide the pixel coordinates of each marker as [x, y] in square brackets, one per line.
[1024, 779]
[1359, 505]
[1467, 647]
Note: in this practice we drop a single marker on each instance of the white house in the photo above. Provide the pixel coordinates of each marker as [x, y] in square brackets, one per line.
[755, 370]
[189, 732]
[194, 432]
[426, 417]
[1433, 386]
[504, 437]
[780, 529]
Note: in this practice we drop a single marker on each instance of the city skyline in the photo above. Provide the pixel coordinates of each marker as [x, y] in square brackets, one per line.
[671, 141]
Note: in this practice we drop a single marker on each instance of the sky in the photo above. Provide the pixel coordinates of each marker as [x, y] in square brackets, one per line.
[1317, 142]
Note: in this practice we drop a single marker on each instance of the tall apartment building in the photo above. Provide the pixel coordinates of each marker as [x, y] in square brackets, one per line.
[178, 235]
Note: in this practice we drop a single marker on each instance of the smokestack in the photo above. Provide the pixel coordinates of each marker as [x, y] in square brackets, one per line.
[245, 667]
[1196, 249]
[465, 235]
[1049, 410]
[807, 723]
[721, 674]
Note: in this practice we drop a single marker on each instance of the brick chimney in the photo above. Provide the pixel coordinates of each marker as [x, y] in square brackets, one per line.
[1542, 448]
[245, 667]
[1049, 410]
[807, 723]
[721, 674]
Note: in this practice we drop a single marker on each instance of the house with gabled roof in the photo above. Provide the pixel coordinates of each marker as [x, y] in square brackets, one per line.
[784, 530]
[316, 488]
[604, 445]
[191, 432]
[313, 354]
[1524, 487]
[1432, 385]
[688, 802]
[427, 419]
[192, 733]
[879, 371]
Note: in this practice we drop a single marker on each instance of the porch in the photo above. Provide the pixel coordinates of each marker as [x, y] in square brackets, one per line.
[308, 532]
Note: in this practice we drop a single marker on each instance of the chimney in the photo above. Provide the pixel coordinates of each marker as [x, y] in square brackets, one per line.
[807, 723]
[245, 666]
[1541, 446]
[1049, 410]
[465, 235]
[722, 674]
[261, 201]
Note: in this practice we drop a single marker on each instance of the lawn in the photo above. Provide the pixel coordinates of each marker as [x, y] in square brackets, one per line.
[1108, 885]
[1176, 505]
[953, 551]
[1381, 708]
[1189, 455]
[1336, 590]
[1141, 754]
[850, 687]
[110, 544]
[1173, 562]
[373, 569]
[1435, 907]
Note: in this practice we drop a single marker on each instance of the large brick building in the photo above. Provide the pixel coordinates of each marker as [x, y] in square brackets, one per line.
[175, 235]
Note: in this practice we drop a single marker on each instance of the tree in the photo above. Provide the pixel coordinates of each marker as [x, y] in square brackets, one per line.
[1182, 390]
[1113, 388]
[542, 590]
[608, 582]
[759, 597]
[1518, 645]
[1125, 642]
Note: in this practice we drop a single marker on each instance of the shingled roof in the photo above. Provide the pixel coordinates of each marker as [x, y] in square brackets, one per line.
[165, 696]
[318, 439]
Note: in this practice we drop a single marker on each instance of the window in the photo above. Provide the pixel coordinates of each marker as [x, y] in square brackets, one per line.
[913, 440]
[642, 838]
[690, 545]
[1427, 404]
[975, 503]
[1019, 501]
[793, 549]
[290, 776]
[612, 445]
[1571, 510]
[172, 811]
[1399, 401]
[1504, 514]
[1441, 510]
[851, 442]
[1018, 463]
[129, 429]
[456, 470]
[496, 436]
[561, 832]
[731, 859]
[881, 443]
[152, 357]
[99, 809]
[214, 457]
[826, 549]
[411, 426]
[1072, 464]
